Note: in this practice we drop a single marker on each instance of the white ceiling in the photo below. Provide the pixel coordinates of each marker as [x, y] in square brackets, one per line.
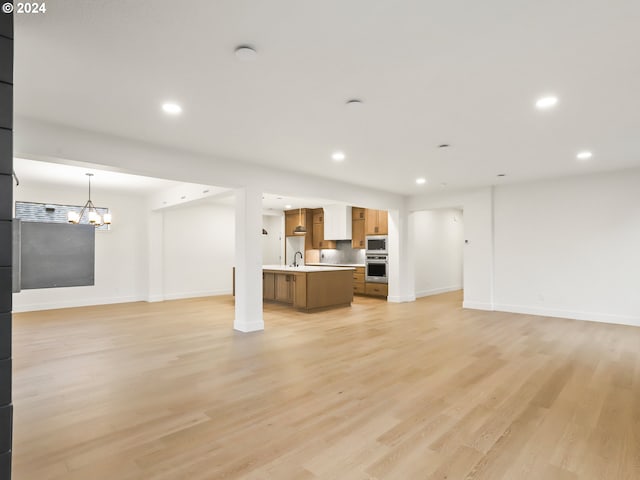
[274, 204]
[32, 171]
[457, 71]
[61, 175]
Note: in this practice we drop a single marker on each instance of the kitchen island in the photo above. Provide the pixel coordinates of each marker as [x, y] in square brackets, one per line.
[308, 288]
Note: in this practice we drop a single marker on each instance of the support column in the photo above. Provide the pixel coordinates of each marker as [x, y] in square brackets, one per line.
[6, 239]
[248, 260]
[402, 285]
[155, 256]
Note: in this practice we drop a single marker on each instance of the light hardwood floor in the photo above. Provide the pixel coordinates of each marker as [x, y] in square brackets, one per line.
[423, 390]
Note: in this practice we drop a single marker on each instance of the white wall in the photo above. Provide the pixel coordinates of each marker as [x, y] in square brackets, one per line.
[273, 242]
[120, 269]
[478, 231]
[565, 248]
[198, 251]
[570, 248]
[438, 242]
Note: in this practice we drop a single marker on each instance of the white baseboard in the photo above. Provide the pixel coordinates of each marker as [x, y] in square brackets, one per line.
[477, 305]
[437, 291]
[401, 298]
[571, 314]
[248, 327]
[81, 302]
[201, 293]
[88, 302]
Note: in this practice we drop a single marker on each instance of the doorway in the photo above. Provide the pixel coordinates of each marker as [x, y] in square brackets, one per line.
[439, 253]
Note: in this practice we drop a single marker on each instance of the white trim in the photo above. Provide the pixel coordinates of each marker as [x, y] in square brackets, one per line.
[438, 291]
[248, 327]
[401, 298]
[86, 302]
[155, 298]
[570, 314]
[200, 293]
[477, 305]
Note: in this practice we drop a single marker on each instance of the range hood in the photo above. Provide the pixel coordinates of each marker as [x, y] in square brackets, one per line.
[337, 222]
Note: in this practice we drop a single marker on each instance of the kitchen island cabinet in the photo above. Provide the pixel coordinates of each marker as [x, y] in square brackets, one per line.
[308, 288]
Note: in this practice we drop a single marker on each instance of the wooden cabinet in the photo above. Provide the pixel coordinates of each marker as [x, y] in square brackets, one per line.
[290, 223]
[376, 222]
[318, 234]
[284, 288]
[318, 240]
[308, 291]
[376, 289]
[358, 281]
[269, 286]
[357, 213]
[292, 220]
[300, 290]
[278, 287]
[357, 227]
[383, 222]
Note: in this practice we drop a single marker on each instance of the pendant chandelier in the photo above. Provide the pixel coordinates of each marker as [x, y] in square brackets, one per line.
[93, 216]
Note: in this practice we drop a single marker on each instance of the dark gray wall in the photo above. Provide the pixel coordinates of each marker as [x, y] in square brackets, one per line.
[6, 239]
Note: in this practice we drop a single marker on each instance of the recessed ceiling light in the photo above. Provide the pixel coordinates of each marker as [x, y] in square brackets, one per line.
[444, 145]
[245, 53]
[586, 155]
[546, 102]
[338, 156]
[421, 181]
[354, 103]
[287, 206]
[171, 108]
[501, 175]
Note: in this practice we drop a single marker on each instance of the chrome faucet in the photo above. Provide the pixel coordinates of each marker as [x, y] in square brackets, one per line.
[295, 258]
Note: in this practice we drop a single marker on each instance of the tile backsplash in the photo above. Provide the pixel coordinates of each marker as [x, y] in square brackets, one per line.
[342, 254]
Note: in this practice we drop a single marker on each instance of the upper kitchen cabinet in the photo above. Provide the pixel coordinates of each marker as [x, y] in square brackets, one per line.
[357, 229]
[290, 222]
[376, 222]
[357, 232]
[318, 231]
[357, 213]
[293, 218]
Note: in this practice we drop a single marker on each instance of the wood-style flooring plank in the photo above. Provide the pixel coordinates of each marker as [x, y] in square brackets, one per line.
[423, 390]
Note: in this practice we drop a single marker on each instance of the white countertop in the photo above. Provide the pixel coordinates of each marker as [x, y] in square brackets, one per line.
[336, 264]
[304, 268]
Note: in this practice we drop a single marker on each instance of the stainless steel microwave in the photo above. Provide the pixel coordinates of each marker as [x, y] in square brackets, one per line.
[377, 244]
